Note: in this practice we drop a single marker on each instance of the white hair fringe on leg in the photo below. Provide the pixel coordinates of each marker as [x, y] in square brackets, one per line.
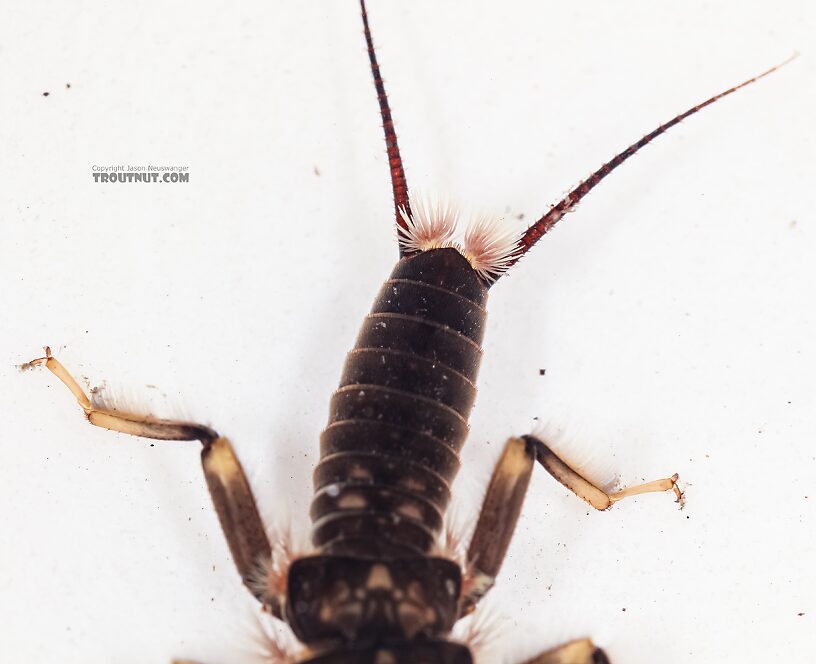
[481, 632]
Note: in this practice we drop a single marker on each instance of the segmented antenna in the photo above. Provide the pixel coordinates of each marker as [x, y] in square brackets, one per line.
[568, 203]
[398, 183]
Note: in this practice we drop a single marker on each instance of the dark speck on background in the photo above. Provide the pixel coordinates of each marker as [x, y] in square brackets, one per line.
[45, 94]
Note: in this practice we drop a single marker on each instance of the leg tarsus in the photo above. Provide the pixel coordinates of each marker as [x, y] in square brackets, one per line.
[51, 363]
[585, 489]
[656, 486]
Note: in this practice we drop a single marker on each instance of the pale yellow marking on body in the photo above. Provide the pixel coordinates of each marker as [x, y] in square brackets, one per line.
[411, 619]
[414, 591]
[360, 473]
[352, 501]
[413, 484]
[410, 510]
[385, 657]
[379, 577]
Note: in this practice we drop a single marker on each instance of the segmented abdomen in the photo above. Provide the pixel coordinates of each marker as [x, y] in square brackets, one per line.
[399, 417]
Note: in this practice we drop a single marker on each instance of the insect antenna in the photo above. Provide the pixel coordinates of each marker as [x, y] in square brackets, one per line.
[571, 200]
[398, 183]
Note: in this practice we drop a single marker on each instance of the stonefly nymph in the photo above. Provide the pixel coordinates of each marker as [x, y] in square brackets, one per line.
[379, 587]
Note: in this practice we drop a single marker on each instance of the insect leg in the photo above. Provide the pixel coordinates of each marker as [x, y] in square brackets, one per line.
[228, 485]
[583, 488]
[580, 651]
[491, 537]
[497, 519]
[502, 505]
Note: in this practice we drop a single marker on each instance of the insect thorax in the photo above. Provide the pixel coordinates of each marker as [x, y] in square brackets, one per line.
[351, 609]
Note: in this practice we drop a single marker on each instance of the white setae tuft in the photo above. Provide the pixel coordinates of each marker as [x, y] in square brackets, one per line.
[489, 246]
[429, 226]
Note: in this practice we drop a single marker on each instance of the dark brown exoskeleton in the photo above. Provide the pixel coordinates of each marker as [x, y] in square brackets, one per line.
[374, 591]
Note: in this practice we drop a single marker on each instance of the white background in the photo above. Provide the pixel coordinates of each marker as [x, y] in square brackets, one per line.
[674, 312]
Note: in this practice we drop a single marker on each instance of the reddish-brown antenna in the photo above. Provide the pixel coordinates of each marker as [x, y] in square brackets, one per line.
[568, 203]
[398, 183]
